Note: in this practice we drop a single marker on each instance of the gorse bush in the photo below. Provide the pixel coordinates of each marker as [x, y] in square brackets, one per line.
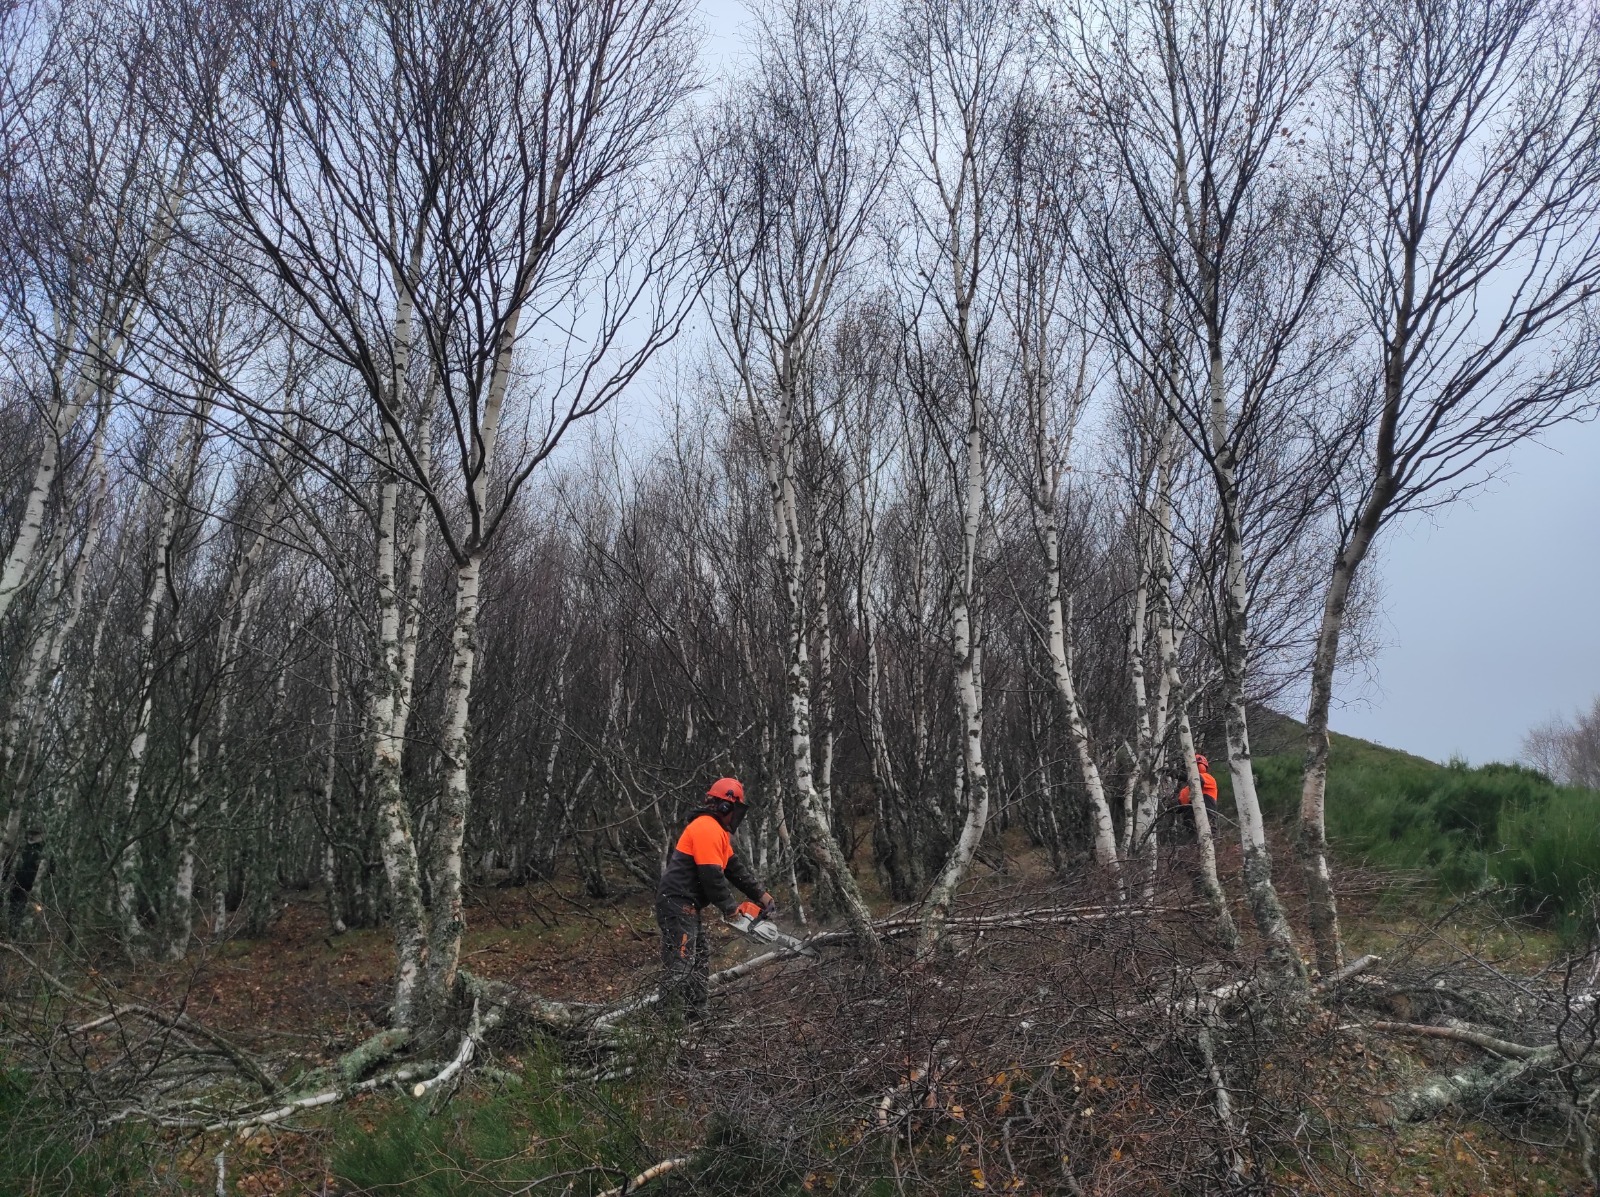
[1464, 827]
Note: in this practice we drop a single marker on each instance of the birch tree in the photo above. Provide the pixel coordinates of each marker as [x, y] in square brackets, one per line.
[1192, 100]
[795, 172]
[1038, 305]
[475, 175]
[1473, 259]
[173, 495]
[962, 64]
[88, 203]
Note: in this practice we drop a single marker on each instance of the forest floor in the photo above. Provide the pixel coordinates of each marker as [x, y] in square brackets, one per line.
[299, 993]
[302, 992]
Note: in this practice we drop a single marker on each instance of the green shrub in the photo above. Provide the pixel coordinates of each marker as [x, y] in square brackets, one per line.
[1550, 853]
[1461, 826]
[490, 1142]
[1471, 801]
[41, 1156]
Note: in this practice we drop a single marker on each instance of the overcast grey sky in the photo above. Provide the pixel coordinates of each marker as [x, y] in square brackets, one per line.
[1489, 619]
[1490, 611]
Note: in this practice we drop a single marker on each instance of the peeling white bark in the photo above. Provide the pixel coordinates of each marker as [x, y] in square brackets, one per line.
[396, 840]
[781, 467]
[1267, 911]
[446, 923]
[1105, 840]
[967, 647]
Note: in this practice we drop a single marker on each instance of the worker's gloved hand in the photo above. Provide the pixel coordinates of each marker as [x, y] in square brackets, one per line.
[769, 906]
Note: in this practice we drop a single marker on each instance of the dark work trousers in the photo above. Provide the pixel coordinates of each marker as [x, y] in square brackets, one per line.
[685, 957]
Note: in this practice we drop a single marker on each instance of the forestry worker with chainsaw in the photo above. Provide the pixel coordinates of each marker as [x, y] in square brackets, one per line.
[698, 874]
[1208, 790]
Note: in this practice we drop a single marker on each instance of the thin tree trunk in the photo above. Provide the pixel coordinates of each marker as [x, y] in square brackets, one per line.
[446, 925]
[417, 553]
[1265, 907]
[1322, 907]
[824, 674]
[967, 645]
[330, 773]
[23, 718]
[1144, 724]
[1105, 837]
[1210, 884]
[397, 842]
[1156, 576]
[102, 362]
[791, 559]
[126, 867]
[237, 609]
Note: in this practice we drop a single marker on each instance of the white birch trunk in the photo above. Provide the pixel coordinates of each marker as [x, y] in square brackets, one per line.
[968, 651]
[824, 674]
[1144, 729]
[1210, 883]
[1322, 907]
[1262, 896]
[1205, 836]
[1105, 838]
[101, 364]
[884, 783]
[24, 715]
[791, 560]
[1155, 574]
[417, 553]
[1038, 374]
[397, 842]
[446, 924]
[103, 361]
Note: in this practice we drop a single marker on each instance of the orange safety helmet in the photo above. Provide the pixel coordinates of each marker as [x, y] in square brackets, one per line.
[727, 789]
[1199, 759]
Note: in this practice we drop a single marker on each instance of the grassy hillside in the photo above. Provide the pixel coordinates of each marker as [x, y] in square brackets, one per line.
[1465, 827]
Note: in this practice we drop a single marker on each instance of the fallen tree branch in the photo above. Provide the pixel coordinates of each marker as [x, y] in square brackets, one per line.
[327, 1097]
[609, 1018]
[310, 1101]
[913, 1077]
[1465, 1086]
[363, 1058]
[645, 1177]
[463, 1056]
[181, 1022]
[1500, 1047]
[1354, 969]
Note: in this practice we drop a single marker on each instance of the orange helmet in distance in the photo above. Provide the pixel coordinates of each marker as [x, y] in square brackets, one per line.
[727, 789]
[1199, 759]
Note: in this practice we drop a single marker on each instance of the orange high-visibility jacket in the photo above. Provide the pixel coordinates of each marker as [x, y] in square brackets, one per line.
[701, 865]
[1208, 786]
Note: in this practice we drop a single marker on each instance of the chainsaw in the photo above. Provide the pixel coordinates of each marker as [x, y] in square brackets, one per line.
[748, 920]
